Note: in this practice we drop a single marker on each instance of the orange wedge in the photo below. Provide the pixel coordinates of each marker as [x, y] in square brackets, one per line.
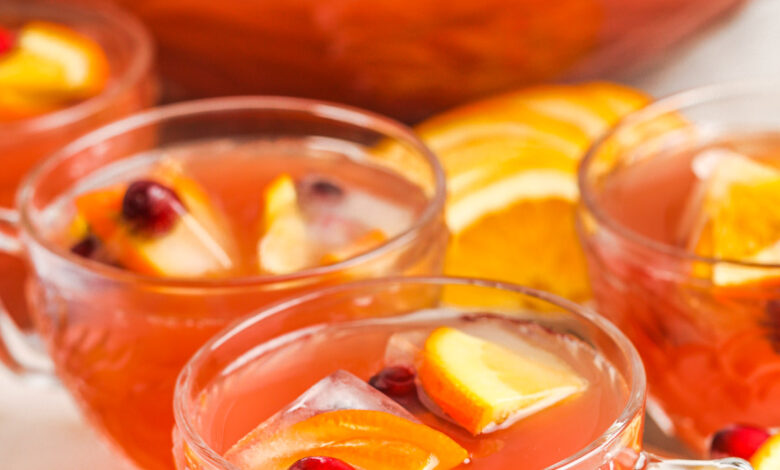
[54, 62]
[767, 457]
[365, 439]
[511, 162]
[189, 249]
[284, 246]
[484, 386]
[740, 220]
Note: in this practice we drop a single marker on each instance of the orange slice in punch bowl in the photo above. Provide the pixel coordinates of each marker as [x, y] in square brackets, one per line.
[511, 167]
[484, 386]
[365, 439]
[48, 67]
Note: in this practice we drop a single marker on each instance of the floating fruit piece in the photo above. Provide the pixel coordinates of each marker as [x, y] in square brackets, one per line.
[739, 217]
[151, 208]
[53, 63]
[186, 249]
[320, 463]
[484, 386]
[394, 381]
[285, 246]
[365, 439]
[767, 457]
[511, 163]
[737, 441]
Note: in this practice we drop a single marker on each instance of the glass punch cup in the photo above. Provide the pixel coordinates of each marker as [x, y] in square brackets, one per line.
[391, 374]
[149, 235]
[65, 68]
[681, 225]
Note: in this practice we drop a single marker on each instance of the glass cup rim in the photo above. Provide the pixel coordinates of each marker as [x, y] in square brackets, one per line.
[674, 102]
[321, 109]
[634, 403]
[141, 63]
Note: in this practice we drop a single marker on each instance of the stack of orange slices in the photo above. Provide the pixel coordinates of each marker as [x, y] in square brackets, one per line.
[510, 163]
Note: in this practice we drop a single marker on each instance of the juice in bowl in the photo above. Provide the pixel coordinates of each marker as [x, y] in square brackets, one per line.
[388, 374]
[149, 235]
[65, 68]
[680, 226]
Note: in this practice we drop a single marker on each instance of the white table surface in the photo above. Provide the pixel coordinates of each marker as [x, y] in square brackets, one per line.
[40, 428]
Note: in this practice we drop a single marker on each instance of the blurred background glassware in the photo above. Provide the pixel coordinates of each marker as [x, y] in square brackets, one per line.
[409, 59]
[131, 86]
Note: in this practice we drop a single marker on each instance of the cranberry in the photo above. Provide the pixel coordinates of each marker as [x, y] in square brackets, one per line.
[737, 441]
[320, 463]
[7, 40]
[316, 188]
[150, 207]
[86, 247]
[393, 381]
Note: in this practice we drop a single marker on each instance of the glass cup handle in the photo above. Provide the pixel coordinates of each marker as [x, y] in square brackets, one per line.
[17, 350]
[648, 461]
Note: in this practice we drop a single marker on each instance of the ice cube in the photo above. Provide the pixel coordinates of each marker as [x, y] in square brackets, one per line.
[339, 215]
[340, 390]
[343, 417]
[403, 348]
[717, 170]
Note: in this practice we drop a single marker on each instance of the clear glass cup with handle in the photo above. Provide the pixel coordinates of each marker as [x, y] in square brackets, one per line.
[254, 368]
[118, 338]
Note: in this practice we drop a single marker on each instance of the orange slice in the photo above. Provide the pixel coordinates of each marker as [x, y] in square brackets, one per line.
[365, 439]
[511, 163]
[740, 219]
[284, 246]
[484, 386]
[189, 249]
[767, 457]
[53, 63]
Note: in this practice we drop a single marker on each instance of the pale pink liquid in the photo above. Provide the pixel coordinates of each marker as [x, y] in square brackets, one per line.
[266, 379]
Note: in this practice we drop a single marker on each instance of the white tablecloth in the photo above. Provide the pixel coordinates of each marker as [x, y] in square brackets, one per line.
[40, 428]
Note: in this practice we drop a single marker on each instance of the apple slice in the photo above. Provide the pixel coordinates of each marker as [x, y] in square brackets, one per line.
[484, 386]
[284, 246]
[154, 230]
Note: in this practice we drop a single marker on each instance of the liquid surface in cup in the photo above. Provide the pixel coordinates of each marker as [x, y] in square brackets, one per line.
[432, 389]
[119, 343]
[46, 66]
[709, 333]
[231, 209]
